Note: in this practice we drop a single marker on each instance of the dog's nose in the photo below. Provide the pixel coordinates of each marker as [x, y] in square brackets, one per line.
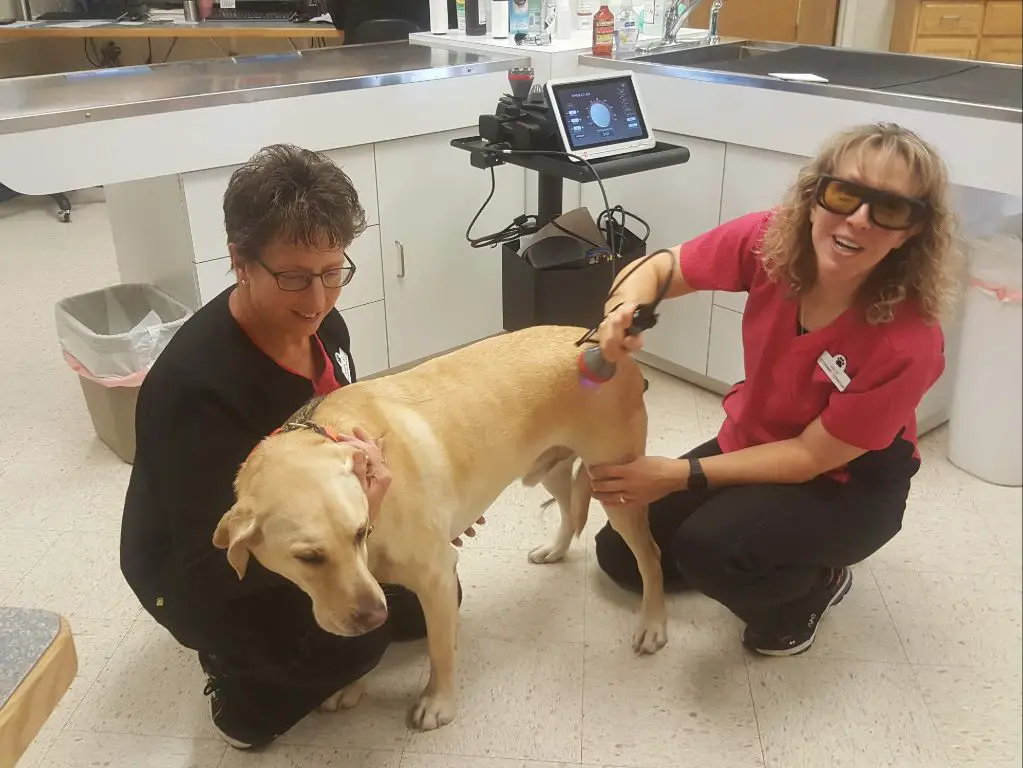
[370, 612]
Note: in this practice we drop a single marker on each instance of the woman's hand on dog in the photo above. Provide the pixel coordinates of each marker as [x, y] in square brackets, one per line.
[370, 466]
[642, 481]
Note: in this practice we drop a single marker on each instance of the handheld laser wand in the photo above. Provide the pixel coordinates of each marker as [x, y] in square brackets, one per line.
[594, 369]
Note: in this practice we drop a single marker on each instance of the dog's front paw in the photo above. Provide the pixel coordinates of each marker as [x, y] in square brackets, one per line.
[346, 698]
[433, 711]
[650, 637]
[548, 553]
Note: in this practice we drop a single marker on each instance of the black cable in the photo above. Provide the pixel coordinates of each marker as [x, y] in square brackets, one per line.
[662, 291]
[520, 227]
[611, 235]
[85, 47]
[600, 183]
[170, 50]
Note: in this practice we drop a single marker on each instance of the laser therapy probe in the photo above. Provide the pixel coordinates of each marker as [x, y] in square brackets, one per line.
[594, 368]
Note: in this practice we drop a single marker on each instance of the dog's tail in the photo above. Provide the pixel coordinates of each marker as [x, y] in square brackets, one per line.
[579, 508]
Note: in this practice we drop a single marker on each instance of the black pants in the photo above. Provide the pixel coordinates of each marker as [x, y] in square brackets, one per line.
[759, 549]
[275, 665]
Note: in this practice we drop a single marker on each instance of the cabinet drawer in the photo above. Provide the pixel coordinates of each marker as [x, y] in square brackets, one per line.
[1004, 18]
[951, 47]
[1004, 50]
[950, 19]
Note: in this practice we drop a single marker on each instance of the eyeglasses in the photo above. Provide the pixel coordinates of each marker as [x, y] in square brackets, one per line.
[887, 210]
[299, 281]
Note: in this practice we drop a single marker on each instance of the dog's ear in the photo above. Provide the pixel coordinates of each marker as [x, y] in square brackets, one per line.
[234, 533]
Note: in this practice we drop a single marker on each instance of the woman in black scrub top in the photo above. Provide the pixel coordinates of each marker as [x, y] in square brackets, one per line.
[234, 372]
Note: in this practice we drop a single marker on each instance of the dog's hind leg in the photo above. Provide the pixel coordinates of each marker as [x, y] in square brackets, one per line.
[558, 482]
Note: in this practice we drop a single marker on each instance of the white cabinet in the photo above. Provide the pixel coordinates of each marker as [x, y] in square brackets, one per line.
[679, 203]
[725, 362]
[754, 180]
[368, 284]
[213, 277]
[204, 198]
[368, 330]
[440, 292]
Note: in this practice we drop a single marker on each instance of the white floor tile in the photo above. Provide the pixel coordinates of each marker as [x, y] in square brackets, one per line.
[517, 699]
[282, 756]
[943, 533]
[842, 713]
[118, 750]
[669, 709]
[79, 577]
[451, 761]
[956, 619]
[507, 597]
[149, 687]
[977, 712]
[19, 553]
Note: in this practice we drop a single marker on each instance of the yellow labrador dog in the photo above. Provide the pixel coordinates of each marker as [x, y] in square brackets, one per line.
[457, 430]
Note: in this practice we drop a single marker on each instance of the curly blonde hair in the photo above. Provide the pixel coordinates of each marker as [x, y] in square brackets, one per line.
[925, 269]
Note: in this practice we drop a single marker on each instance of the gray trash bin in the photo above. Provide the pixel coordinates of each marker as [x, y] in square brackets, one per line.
[110, 338]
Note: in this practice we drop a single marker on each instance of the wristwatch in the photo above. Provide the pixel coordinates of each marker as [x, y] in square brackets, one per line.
[697, 480]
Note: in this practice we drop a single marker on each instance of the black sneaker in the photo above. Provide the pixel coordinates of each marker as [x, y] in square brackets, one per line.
[232, 714]
[792, 641]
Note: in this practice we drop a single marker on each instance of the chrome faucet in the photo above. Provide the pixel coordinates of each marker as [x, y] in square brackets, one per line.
[675, 16]
[713, 38]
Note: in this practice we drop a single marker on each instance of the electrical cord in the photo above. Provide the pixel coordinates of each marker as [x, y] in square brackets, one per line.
[650, 308]
[522, 223]
[528, 224]
[521, 226]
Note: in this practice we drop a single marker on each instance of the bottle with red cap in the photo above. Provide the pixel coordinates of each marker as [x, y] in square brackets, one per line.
[603, 32]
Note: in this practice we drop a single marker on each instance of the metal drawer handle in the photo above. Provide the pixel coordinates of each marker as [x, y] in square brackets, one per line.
[401, 258]
[956, 17]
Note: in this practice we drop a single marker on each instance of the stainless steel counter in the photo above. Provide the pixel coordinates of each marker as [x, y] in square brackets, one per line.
[46, 101]
[970, 88]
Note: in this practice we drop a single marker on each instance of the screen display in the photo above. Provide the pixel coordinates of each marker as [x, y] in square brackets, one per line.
[599, 112]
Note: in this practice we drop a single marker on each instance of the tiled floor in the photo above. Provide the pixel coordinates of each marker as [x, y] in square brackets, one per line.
[920, 667]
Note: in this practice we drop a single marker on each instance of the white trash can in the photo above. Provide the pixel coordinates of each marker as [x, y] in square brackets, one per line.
[986, 415]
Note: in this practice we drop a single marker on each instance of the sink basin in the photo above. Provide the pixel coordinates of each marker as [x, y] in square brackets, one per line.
[705, 56]
[840, 66]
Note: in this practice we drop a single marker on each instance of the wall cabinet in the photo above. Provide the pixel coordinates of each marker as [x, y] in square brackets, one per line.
[988, 30]
[440, 292]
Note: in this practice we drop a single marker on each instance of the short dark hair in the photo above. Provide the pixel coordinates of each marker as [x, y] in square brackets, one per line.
[292, 194]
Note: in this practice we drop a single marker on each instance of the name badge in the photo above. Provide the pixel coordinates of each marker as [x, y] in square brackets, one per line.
[344, 363]
[834, 367]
